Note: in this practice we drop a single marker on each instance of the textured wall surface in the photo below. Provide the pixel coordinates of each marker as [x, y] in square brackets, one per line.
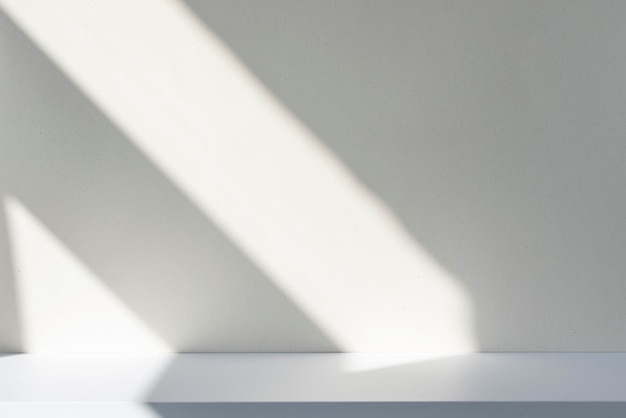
[491, 132]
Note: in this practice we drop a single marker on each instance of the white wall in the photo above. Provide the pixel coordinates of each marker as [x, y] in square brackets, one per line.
[488, 136]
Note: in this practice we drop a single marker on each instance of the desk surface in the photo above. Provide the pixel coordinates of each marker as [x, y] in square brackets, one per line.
[502, 377]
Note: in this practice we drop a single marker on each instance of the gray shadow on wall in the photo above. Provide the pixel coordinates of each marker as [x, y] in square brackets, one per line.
[69, 165]
[9, 325]
[494, 130]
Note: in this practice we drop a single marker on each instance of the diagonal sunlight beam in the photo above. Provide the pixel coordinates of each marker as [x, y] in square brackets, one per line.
[64, 307]
[255, 170]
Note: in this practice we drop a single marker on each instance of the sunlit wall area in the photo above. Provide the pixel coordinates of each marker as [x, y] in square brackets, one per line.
[334, 249]
[107, 217]
[312, 176]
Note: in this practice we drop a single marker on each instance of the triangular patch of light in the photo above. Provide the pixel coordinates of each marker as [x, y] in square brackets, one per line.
[64, 306]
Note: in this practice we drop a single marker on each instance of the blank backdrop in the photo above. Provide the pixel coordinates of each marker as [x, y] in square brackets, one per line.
[493, 130]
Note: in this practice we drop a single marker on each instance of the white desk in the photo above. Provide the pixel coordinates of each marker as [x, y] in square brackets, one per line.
[194, 385]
